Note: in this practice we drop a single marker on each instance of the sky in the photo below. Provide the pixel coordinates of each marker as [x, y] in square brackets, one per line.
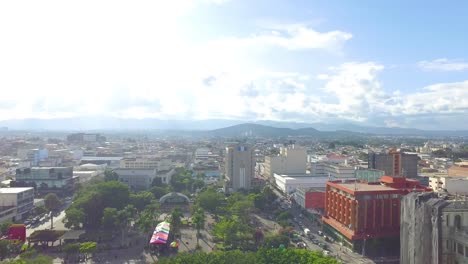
[379, 63]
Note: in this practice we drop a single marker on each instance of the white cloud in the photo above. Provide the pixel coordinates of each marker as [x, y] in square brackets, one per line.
[294, 37]
[441, 98]
[136, 60]
[356, 87]
[443, 64]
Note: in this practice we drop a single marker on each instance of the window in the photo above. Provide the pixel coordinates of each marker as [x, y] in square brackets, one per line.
[460, 249]
[457, 222]
[448, 219]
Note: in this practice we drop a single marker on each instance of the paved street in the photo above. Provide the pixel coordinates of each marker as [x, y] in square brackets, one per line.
[58, 224]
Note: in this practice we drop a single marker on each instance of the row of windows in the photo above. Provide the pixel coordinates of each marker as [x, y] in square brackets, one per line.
[455, 247]
[7, 212]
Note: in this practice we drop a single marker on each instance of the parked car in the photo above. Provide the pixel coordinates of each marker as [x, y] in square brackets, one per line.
[320, 233]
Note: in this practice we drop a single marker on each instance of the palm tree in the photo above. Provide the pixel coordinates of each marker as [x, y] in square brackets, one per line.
[176, 221]
[52, 203]
[199, 220]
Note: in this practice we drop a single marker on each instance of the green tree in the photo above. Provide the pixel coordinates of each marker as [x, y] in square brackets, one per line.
[4, 227]
[114, 194]
[93, 198]
[4, 247]
[110, 175]
[176, 219]
[74, 218]
[198, 220]
[141, 199]
[40, 210]
[274, 241]
[88, 249]
[71, 250]
[159, 191]
[209, 199]
[148, 218]
[284, 216]
[264, 255]
[52, 203]
[110, 218]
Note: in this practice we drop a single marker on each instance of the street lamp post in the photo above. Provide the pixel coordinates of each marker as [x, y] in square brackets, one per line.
[364, 245]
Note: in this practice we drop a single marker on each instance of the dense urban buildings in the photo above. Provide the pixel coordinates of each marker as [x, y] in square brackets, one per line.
[356, 212]
[85, 138]
[239, 166]
[395, 163]
[434, 229]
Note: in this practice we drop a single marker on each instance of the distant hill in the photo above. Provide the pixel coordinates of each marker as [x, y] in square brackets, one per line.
[251, 129]
[263, 127]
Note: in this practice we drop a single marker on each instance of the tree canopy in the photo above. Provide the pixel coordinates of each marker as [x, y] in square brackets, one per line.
[92, 199]
[264, 255]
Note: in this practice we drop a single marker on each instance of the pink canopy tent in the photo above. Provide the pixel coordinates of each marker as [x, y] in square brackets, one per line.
[161, 233]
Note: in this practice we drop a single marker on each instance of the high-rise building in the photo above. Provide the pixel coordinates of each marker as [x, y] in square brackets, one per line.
[291, 160]
[356, 212]
[395, 163]
[434, 229]
[239, 166]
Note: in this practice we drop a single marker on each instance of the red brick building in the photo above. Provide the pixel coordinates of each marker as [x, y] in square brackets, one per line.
[357, 211]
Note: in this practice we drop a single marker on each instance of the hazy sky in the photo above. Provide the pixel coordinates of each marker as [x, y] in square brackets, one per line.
[398, 63]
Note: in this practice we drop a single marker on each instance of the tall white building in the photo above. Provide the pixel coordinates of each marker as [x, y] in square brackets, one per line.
[15, 202]
[288, 183]
[291, 160]
[239, 166]
[332, 170]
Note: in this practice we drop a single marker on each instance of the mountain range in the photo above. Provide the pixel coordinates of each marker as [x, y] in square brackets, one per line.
[217, 127]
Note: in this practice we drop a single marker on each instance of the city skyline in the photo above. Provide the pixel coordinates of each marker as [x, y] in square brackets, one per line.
[306, 61]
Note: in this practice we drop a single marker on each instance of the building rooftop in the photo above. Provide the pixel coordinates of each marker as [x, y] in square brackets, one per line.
[312, 189]
[364, 187]
[14, 190]
[102, 158]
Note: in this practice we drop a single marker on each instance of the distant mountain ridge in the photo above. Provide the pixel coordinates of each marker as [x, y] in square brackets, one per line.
[116, 124]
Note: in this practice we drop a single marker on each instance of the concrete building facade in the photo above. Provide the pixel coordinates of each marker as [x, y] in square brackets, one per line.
[239, 167]
[291, 160]
[47, 179]
[310, 198]
[15, 202]
[453, 185]
[395, 164]
[332, 170]
[356, 212]
[137, 179]
[288, 183]
[434, 229]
